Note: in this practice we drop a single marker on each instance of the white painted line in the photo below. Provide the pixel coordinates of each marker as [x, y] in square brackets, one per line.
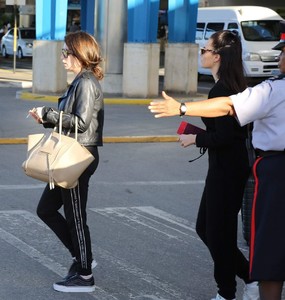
[154, 219]
[158, 183]
[166, 216]
[41, 258]
[126, 183]
[29, 218]
[33, 253]
[147, 277]
[166, 224]
[21, 186]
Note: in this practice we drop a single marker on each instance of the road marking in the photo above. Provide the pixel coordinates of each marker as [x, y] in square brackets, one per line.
[125, 183]
[33, 253]
[55, 267]
[21, 228]
[157, 183]
[155, 219]
[21, 186]
[167, 288]
[166, 224]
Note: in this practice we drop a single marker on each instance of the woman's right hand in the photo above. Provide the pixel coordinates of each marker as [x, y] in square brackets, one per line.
[36, 113]
[187, 140]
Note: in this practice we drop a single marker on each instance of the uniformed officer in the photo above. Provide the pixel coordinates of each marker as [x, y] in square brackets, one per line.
[264, 105]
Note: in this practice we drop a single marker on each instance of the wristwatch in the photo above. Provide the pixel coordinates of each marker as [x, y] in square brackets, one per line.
[183, 109]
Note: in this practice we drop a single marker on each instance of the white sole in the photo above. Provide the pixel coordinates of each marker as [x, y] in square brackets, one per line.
[73, 289]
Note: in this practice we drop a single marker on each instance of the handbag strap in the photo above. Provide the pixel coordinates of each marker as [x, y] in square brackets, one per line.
[60, 125]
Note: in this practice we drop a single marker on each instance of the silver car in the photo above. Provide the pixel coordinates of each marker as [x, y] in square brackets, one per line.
[25, 38]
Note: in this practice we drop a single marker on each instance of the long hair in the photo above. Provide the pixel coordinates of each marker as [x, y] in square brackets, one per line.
[86, 49]
[231, 73]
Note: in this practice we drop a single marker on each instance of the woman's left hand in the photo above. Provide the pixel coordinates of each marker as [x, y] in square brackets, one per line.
[187, 140]
[167, 108]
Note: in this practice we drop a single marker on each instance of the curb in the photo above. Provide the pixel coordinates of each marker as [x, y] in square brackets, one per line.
[110, 139]
[54, 98]
[111, 101]
[16, 83]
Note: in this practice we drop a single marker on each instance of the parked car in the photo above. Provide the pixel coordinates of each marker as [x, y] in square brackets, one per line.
[25, 38]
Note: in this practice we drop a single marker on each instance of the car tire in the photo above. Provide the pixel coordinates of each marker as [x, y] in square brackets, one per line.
[20, 53]
[4, 53]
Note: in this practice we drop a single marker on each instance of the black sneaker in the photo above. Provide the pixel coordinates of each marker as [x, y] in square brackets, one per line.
[75, 284]
[73, 269]
[75, 266]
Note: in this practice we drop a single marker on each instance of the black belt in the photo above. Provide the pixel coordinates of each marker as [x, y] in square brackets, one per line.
[262, 153]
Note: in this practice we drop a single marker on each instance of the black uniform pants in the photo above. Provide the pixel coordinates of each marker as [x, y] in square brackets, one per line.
[71, 227]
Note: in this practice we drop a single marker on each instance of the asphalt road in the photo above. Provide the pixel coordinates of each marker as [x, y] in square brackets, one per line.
[141, 212]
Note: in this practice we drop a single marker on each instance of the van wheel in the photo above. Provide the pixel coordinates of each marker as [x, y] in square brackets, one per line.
[4, 53]
[20, 53]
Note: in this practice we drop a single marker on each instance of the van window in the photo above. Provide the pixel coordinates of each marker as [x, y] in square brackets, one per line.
[232, 26]
[212, 28]
[261, 30]
[200, 31]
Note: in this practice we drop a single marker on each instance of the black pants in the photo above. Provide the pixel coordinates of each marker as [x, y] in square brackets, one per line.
[217, 227]
[72, 228]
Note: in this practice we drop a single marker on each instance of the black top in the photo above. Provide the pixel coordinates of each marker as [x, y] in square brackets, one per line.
[224, 137]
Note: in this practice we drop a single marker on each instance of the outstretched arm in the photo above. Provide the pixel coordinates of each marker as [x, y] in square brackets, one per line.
[215, 107]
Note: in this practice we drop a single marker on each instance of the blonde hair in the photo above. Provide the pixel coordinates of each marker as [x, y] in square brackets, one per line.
[86, 49]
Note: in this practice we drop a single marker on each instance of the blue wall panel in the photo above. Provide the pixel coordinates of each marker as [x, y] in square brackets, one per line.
[87, 17]
[51, 16]
[182, 19]
[142, 21]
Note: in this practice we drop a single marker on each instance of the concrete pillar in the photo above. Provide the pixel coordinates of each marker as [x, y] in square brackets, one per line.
[141, 67]
[111, 33]
[141, 53]
[49, 75]
[181, 64]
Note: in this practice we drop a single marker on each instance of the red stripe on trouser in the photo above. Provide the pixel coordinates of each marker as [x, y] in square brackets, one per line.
[252, 228]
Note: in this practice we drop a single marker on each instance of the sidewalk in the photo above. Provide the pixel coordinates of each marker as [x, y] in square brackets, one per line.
[22, 78]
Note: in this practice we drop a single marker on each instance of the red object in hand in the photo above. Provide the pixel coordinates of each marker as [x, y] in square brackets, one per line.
[34, 114]
[187, 128]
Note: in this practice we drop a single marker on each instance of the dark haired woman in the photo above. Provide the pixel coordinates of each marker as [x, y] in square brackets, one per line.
[84, 99]
[228, 170]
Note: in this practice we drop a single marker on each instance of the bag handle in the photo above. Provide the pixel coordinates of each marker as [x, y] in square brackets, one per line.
[60, 125]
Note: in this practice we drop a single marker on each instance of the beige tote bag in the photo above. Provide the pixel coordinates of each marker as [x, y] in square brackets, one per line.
[56, 158]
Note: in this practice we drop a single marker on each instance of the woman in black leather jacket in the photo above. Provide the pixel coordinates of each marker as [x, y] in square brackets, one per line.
[84, 99]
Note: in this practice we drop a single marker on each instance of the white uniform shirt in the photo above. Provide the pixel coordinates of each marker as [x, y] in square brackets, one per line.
[264, 105]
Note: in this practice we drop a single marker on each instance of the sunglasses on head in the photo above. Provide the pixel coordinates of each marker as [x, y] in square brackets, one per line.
[66, 52]
[204, 50]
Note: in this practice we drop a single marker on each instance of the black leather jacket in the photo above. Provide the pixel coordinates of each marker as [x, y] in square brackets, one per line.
[83, 98]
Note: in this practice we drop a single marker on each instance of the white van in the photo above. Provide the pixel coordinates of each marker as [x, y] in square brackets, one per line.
[259, 31]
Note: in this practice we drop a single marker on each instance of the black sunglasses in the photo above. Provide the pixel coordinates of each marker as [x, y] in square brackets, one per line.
[204, 50]
[66, 52]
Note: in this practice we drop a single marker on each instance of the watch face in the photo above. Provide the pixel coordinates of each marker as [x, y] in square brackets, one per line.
[183, 108]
